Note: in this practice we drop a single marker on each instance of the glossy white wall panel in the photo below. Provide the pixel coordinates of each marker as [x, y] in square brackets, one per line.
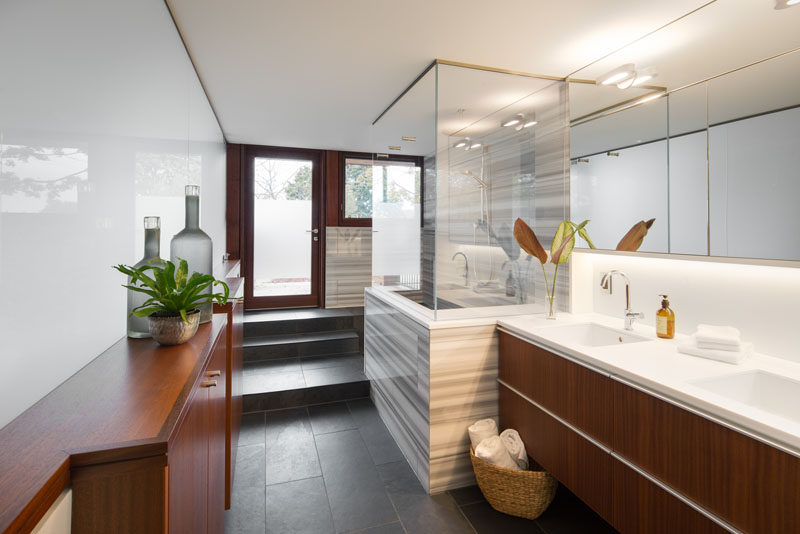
[110, 86]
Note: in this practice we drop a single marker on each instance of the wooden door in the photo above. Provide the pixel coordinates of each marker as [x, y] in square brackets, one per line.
[282, 227]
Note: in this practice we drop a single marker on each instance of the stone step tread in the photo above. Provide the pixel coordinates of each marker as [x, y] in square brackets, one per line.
[303, 337]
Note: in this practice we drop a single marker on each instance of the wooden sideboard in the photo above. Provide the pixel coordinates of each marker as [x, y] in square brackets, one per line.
[144, 435]
[642, 463]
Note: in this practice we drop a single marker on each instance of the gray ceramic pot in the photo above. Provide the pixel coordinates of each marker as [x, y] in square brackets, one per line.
[172, 330]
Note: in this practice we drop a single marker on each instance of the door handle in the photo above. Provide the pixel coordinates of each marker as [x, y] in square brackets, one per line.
[314, 231]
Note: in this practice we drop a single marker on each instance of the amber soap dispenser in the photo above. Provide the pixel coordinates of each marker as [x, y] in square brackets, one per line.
[665, 320]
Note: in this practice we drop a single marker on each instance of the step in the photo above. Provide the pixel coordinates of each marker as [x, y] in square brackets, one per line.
[293, 382]
[298, 345]
[276, 322]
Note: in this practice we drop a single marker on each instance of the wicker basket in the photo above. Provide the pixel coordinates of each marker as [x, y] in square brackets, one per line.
[515, 492]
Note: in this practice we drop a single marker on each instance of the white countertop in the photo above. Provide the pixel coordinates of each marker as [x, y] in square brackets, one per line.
[656, 366]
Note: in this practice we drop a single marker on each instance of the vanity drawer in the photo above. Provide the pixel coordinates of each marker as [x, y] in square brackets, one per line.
[753, 486]
[576, 394]
[577, 463]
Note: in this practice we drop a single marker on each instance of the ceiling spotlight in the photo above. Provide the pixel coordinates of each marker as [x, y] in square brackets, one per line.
[618, 75]
[530, 123]
[462, 143]
[783, 4]
[645, 75]
[473, 145]
[512, 121]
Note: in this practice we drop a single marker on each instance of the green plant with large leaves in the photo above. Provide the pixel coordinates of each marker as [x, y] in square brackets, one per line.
[171, 290]
[560, 250]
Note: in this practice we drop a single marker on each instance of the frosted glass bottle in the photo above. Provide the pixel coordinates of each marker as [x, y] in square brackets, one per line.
[193, 245]
[140, 326]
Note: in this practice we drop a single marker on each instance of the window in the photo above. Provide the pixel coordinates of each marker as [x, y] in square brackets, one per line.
[368, 181]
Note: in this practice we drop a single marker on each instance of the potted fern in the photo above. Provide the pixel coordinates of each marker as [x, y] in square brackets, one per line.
[174, 298]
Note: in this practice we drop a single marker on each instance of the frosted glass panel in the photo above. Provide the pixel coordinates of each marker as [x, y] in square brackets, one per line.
[282, 227]
[102, 122]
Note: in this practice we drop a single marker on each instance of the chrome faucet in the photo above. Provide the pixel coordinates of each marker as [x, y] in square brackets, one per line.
[606, 283]
[466, 267]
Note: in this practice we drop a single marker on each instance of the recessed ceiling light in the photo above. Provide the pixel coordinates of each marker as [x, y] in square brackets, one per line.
[408, 138]
[617, 75]
[783, 4]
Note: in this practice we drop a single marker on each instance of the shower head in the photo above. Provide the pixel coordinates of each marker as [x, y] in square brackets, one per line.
[472, 175]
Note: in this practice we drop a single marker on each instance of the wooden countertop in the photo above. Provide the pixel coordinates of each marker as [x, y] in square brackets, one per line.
[123, 404]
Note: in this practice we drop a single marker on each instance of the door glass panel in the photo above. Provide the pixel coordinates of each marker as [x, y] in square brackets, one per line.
[283, 227]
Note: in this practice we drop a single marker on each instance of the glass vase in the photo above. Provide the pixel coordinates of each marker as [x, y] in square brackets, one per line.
[550, 307]
[194, 245]
[139, 327]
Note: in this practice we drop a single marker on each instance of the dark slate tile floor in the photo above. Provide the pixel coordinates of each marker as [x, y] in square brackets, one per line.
[334, 468]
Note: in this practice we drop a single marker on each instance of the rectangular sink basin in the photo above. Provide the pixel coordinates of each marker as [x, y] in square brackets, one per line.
[591, 335]
[769, 392]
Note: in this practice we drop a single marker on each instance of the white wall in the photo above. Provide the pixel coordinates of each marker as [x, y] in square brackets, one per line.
[761, 301]
[109, 83]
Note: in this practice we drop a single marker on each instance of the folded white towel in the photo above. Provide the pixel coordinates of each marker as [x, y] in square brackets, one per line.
[700, 343]
[493, 450]
[722, 335]
[515, 447]
[480, 430]
[727, 356]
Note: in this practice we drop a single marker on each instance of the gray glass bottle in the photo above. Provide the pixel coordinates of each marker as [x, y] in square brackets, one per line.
[193, 245]
[139, 326]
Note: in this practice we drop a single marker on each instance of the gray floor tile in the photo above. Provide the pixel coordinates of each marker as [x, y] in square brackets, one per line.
[291, 454]
[379, 441]
[327, 418]
[249, 466]
[260, 383]
[390, 528]
[246, 515]
[568, 514]
[468, 495]
[299, 507]
[355, 491]
[333, 375]
[487, 520]
[419, 512]
[252, 429]
[286, 365]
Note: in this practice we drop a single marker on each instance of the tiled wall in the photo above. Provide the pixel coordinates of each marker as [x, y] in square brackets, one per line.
[348, 265]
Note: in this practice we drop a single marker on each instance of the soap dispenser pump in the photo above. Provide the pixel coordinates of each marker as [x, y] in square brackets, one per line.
[665, 320]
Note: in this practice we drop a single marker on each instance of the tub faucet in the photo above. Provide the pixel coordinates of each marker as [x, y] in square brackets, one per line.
[466, 267]
[606, 283]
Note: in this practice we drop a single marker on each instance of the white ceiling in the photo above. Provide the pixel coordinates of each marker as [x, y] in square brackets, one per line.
[316, 73]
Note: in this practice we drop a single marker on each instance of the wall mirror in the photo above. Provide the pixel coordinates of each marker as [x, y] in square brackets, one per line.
[707, 146]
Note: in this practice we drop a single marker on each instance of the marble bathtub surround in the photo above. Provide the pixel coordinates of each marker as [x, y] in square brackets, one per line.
[430, 381]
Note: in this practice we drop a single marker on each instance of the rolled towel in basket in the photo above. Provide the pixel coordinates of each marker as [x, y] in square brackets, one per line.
[515, 447]
[480, 430]
[493, 451]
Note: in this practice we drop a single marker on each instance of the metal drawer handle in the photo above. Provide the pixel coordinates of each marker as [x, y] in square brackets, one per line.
[208, 384]
[211, 374]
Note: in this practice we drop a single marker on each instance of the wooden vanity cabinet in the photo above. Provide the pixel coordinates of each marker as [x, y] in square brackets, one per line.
[609, 443]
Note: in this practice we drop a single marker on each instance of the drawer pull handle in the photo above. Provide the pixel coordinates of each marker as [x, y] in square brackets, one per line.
[211, 374]
[208, 384]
